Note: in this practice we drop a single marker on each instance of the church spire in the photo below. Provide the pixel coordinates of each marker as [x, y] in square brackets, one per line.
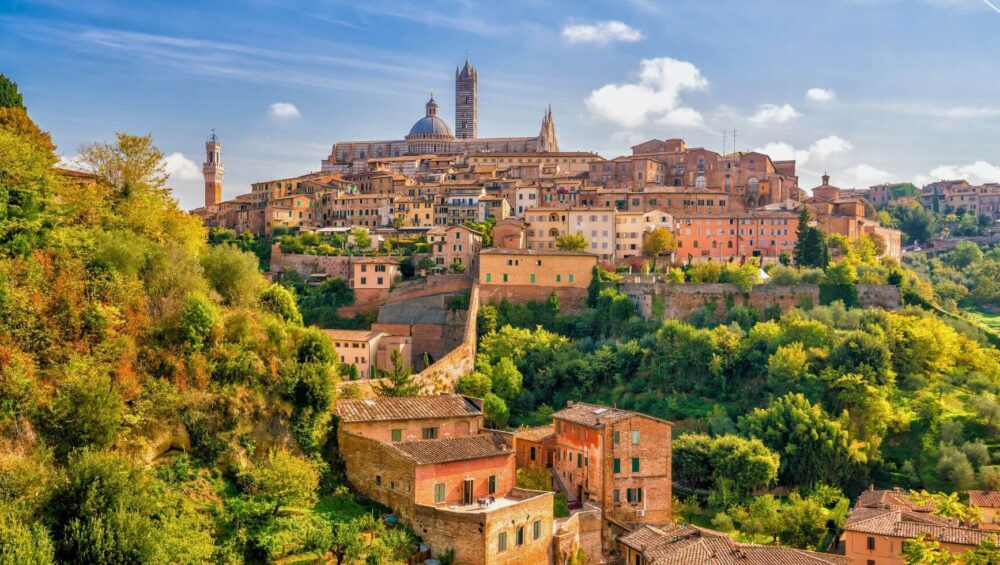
[547, 140]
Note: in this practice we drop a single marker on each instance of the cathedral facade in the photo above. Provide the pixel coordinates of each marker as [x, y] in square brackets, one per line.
[432, 135]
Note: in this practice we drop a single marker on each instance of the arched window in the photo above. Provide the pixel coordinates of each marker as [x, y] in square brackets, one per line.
[701, 164]
[700, 182]
[753, 185]
[553, 232]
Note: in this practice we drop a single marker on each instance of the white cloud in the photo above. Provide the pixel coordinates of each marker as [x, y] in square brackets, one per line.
[601, 33]
[655, 96]
[770, 114]
[820, 150]
[979, 172]
[70, 162]
[864, 175]
[284, 110]
[820, 95]
[180, 167]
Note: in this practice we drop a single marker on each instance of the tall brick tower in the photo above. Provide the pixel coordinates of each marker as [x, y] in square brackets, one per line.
[466, 101]
[213, 171]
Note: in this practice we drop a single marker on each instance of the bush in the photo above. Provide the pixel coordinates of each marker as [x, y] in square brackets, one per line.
[280, 302]
[233, 274]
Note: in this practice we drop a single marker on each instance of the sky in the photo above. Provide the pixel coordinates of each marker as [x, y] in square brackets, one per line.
[869, 91]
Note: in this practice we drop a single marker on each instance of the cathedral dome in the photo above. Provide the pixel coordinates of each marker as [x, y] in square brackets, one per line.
[431, 125]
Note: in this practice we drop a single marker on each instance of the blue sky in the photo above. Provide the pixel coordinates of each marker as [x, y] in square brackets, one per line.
[869, 90]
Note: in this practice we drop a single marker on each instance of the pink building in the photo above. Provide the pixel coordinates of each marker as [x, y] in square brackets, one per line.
[367, 351]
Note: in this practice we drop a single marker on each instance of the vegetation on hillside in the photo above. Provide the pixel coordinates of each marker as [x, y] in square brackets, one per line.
[160, 401]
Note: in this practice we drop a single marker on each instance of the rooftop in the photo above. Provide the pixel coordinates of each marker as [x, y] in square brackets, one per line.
[540, 433]
[906, 524]
[593, 415]
[538, 252]
[892, 499]
[352, 335]
[384, 409]
[429, 451]
[985, 498]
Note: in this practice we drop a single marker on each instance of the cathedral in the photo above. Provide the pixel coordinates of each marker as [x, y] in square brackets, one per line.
[432, 135]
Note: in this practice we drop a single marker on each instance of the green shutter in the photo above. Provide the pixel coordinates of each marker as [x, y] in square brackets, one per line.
[635, 464]
[617, 465]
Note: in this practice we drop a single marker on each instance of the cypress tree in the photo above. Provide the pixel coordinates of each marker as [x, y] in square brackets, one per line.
[9, 96]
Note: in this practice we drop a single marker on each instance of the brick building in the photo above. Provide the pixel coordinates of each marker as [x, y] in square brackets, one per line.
[368, 351]
[529, 274]
[988, 504]
[618, 460]
[455, 244]
[759, 233]
[429, 459]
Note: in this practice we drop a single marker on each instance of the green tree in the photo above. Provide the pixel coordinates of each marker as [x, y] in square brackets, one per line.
[9, 95]
[747, 464]
[506, 379]
[534, 477]
[27, 184]
[397, 381]
[841, 272]
[813, 446]
[86, 412]
[281, 302]
[658, 242]
[572, 242]
[233, 274]
[361, 238]
[282, 480]
[475, 384]
[759, 517]
[495, 410]
[348, 542]
[802, 523]
[131, 165]
[964, 255]
[199, 318]
[23, 542]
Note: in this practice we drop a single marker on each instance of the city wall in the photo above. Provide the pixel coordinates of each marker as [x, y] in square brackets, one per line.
[580, 530]
[678, 301]
[442, 375]
[571, 299]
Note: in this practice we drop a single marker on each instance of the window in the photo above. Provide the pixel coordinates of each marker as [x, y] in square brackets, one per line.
[502, 541]
[489, 276]
[505, 277]
[579, 460]
[871, 562]
[617, 437]
[532, 277]
[519, 536]
[635, 464]
[430, 433]
[397, 435]
[532, 453]
[378, 480]
[618, 496]
[492, 484]
[558, 278]
[871, 543]
[571, 278]
[635, 437]
[617, 466]
[536, 529]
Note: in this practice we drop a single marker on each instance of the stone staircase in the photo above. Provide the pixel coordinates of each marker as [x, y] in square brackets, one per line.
[558, 484]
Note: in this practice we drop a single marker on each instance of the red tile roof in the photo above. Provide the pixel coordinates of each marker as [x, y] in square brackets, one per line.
[985, 498]
[593, 415]
[892, 499]
[460, 448]
[673, 545]
[540, 433]
[386, 409]
[909, 525]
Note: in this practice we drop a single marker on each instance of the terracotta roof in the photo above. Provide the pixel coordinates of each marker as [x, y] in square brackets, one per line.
[892, 499]
[673, 545]
[385, 409]
[904, 524]
[985, 498]
[376, 259]
[352, 335]
[429, 451]
[540, 433]
[593, 415]
[539, 252]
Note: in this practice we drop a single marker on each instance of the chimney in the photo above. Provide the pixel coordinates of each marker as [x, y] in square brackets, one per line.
[569, 404]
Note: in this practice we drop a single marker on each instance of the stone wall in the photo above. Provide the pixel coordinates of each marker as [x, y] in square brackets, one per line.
[378, 472]
[571, 299]
[474, 535]
[582, 529]
[336, 266]
[443, 374]
[679, 301]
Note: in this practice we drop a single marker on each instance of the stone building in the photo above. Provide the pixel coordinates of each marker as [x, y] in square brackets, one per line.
[213, 171]
[368, 351]
[458, 244]
[466, 102]
[528, 274]
[846, 216]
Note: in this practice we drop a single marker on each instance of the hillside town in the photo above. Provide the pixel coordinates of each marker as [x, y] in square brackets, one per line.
[462, 347]
[519, 221]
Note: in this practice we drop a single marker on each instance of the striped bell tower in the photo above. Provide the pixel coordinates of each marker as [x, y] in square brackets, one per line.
[213, 171]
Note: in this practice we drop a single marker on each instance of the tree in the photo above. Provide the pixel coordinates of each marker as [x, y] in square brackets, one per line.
[361, 238]
[658, 242]
[282, 480]
[280, 301]
[476, 384]
[813, 446]
[87, 411]
[946, 506]
[22, 541]
[131, 165]
[397, 381]
[572, 242]
[27, 185]
[802, 522]
[534, 477]
[348, 542]
[506, 379]
[985, 404]
[964, 255]
[495, 410]
[398, 221]
[701, 460]
[760, 517]
[233, 274]
[841, 272]
[9, 96]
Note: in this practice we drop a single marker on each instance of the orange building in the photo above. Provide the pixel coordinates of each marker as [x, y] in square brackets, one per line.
[720, 237]
[457, 244]
[367, 351]
[875, 536]
[527, 274]
[988, 504]
[618, 460]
